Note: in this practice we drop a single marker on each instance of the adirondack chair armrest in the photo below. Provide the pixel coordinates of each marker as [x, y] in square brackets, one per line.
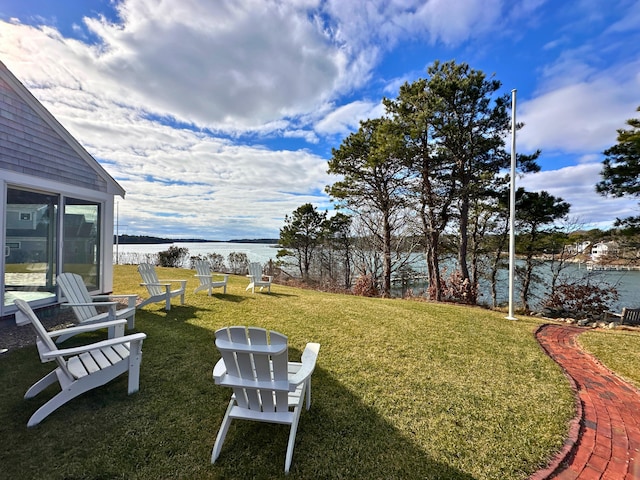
[225, 345]
[156, 284]
[259, 278]
[131, 299]
[164, 280]
[219, 370]
[88, 304]
[222, 378]
[309, 358]
[111, 306]
[211, 275]
[90, 327]
[67, 352]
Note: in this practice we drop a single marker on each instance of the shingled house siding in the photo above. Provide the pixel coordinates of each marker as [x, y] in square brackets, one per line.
[30, 146]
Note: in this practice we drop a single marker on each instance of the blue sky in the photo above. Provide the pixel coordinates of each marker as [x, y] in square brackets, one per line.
[218, 118]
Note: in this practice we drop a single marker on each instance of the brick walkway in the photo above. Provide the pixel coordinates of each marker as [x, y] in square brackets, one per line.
[604, 439]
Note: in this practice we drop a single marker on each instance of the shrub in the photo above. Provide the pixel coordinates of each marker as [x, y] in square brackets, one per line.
[459, 290]
[173, 257]
[583, 298]
[216, 261]
[238, 262]
[365, 287]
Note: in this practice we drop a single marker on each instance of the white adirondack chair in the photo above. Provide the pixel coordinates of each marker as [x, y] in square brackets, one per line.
[159, 290]
[83, 368]
[84, 305]
[257, 279]
[266, 386]
[205, 275]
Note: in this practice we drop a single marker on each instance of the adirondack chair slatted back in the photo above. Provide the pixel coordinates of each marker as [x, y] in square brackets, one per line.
[257, 277]
[205, 274]
[202, 269]
[257, 358]
[44, 342]
[75, 291]
[255, 270]
[630, 316]
[150, 277]
[159, 289]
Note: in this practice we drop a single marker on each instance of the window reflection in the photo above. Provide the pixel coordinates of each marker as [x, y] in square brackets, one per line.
[30, 247]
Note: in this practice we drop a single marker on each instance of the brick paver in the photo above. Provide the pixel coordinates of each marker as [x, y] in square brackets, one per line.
[604, 438]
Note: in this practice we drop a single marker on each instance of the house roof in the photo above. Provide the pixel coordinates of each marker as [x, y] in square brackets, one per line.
[25, 95]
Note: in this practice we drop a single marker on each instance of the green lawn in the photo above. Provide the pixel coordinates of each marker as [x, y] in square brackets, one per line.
[402, 390]
[619, 350]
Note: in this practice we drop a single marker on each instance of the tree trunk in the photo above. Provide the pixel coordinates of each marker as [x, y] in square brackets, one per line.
[433, 266]
[386, 261]
[526, 284]
[464, 239]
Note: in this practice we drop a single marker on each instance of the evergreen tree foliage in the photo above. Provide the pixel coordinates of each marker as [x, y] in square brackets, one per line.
[621, 169]
[302, 235]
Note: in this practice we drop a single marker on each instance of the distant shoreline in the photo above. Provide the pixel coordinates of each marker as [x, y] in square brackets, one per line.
[148, 240]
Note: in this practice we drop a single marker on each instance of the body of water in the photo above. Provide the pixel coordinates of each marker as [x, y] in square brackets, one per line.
[256, 252]
[626, 282]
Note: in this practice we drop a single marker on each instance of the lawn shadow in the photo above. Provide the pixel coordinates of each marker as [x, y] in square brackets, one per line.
[339, 437]
[275, 294]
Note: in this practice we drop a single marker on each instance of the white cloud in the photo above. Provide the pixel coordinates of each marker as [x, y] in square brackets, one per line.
[591, 88]
[224, 65]
[576, 185]
[389, 21]
[629, 21]
[346, 119]
[182, 183]
[578, 118]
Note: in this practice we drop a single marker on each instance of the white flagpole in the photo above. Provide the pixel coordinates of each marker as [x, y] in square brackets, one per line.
[512, 206]
[117, 231]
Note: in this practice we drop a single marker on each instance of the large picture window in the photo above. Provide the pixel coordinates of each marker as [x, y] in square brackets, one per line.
[31, 245]
[81, 241]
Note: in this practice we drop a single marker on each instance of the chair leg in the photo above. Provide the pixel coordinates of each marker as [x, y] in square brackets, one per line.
[135, 358]
[52, 405]
[131, 321]
[292, 440]
[308, 387]
[41, 384]
[63, 338]
[167, 297]
[222, 433]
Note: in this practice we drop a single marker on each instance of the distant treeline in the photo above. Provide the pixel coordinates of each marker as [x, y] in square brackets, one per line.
[145, 239]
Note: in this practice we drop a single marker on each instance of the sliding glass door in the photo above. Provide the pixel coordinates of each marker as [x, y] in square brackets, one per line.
[39, 244]
[30, 251]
